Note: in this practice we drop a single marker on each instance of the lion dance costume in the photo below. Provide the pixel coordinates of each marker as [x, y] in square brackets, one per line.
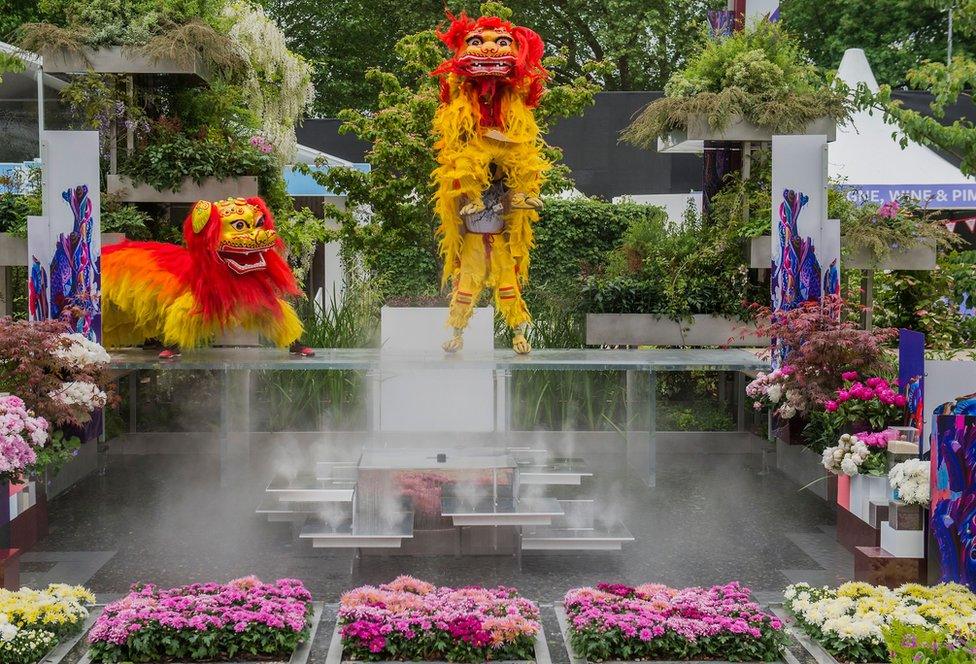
[231, 274]
[490, 166]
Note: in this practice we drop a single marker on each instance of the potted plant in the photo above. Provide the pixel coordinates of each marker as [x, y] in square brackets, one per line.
[619, 623]
[743, 87]
[411, 620]
[669, 283]
[242, 620]
[34, 622]
[59, 377]
[854, 622]
[812, 341]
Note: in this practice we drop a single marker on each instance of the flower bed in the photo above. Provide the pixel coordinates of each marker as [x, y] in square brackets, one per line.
[32, 622]
[243, 619]
[654, 622]
[411, 620]
[852, 622]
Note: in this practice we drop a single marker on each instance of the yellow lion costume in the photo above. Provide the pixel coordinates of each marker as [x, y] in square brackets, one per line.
[490, 166]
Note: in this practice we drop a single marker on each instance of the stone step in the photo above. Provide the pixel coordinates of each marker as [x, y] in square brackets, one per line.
[501, 512]
[307, 489]
[357, 533]
[547, 538]
[557, 472]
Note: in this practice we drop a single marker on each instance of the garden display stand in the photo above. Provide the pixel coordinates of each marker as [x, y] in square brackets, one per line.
[653, 330]
[542, 656]
[190, 191]
[120, 60]
[13, 253]
[920, 258]
[739, 130]
[563, 620]
[300, 656]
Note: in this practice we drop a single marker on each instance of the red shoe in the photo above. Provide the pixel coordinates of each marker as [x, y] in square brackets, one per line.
[299, 348]
[169, 353]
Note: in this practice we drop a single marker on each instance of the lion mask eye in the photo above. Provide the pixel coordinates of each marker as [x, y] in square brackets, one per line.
[239, 225]
[475, 41]
[503, 41]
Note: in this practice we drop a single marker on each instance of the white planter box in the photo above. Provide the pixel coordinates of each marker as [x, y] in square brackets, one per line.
[803, 466]
[921, 257]
[445, 397]
[902, 543]
[13, 249]
[210, 189]
[563, 621]
[739, 130]
[652, 330]
[119, 60]
[866, 489]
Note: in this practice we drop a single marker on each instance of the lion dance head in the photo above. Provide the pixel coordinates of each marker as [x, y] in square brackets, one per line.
[232, 273]
[490, 52]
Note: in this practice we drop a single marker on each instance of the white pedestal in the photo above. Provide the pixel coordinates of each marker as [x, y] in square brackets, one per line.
[902, 543]
[444, 397]
[866, 489]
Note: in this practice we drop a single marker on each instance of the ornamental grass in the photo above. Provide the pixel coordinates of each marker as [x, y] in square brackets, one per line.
[411, 620]
[853, 621]
[33, 621]
[655, 622]
[243, 619]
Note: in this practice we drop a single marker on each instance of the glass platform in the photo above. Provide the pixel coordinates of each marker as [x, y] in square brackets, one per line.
[481, 453]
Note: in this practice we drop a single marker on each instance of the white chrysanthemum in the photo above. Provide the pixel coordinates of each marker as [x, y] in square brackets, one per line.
[80, 393]
[81, 351]
[775, 392]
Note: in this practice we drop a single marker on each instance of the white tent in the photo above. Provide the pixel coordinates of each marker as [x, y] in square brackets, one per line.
[867, 159]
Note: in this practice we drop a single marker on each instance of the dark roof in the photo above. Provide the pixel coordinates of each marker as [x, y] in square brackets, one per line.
[603, 166]
[600, 164]
[323, 135]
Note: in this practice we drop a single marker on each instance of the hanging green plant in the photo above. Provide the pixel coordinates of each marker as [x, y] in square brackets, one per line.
[760, 74]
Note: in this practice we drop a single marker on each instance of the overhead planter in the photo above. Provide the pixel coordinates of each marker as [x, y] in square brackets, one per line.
[120, 60]
[921, 257]
[209, 189]
[654, 330]
[739, 130]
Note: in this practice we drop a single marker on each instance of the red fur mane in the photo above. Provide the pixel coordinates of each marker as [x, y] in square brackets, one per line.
[220, 291]
[529, 74]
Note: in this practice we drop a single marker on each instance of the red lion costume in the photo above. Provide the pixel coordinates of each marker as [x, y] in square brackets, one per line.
[231, 274]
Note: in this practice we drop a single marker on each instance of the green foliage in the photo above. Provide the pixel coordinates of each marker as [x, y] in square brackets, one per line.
[15, 208]
[673, 270]
[300, 400]
[896, 35]
[760, 73]
[301, 231]
[10, 63]
[126, 219]
[638, 43]
[396, 242]
[929, 302]
[573, 236]
[58, 451]
[901, 224]
[911, 644]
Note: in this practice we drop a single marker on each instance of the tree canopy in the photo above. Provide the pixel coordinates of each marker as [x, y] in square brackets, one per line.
[896, 35]
[640, 42]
